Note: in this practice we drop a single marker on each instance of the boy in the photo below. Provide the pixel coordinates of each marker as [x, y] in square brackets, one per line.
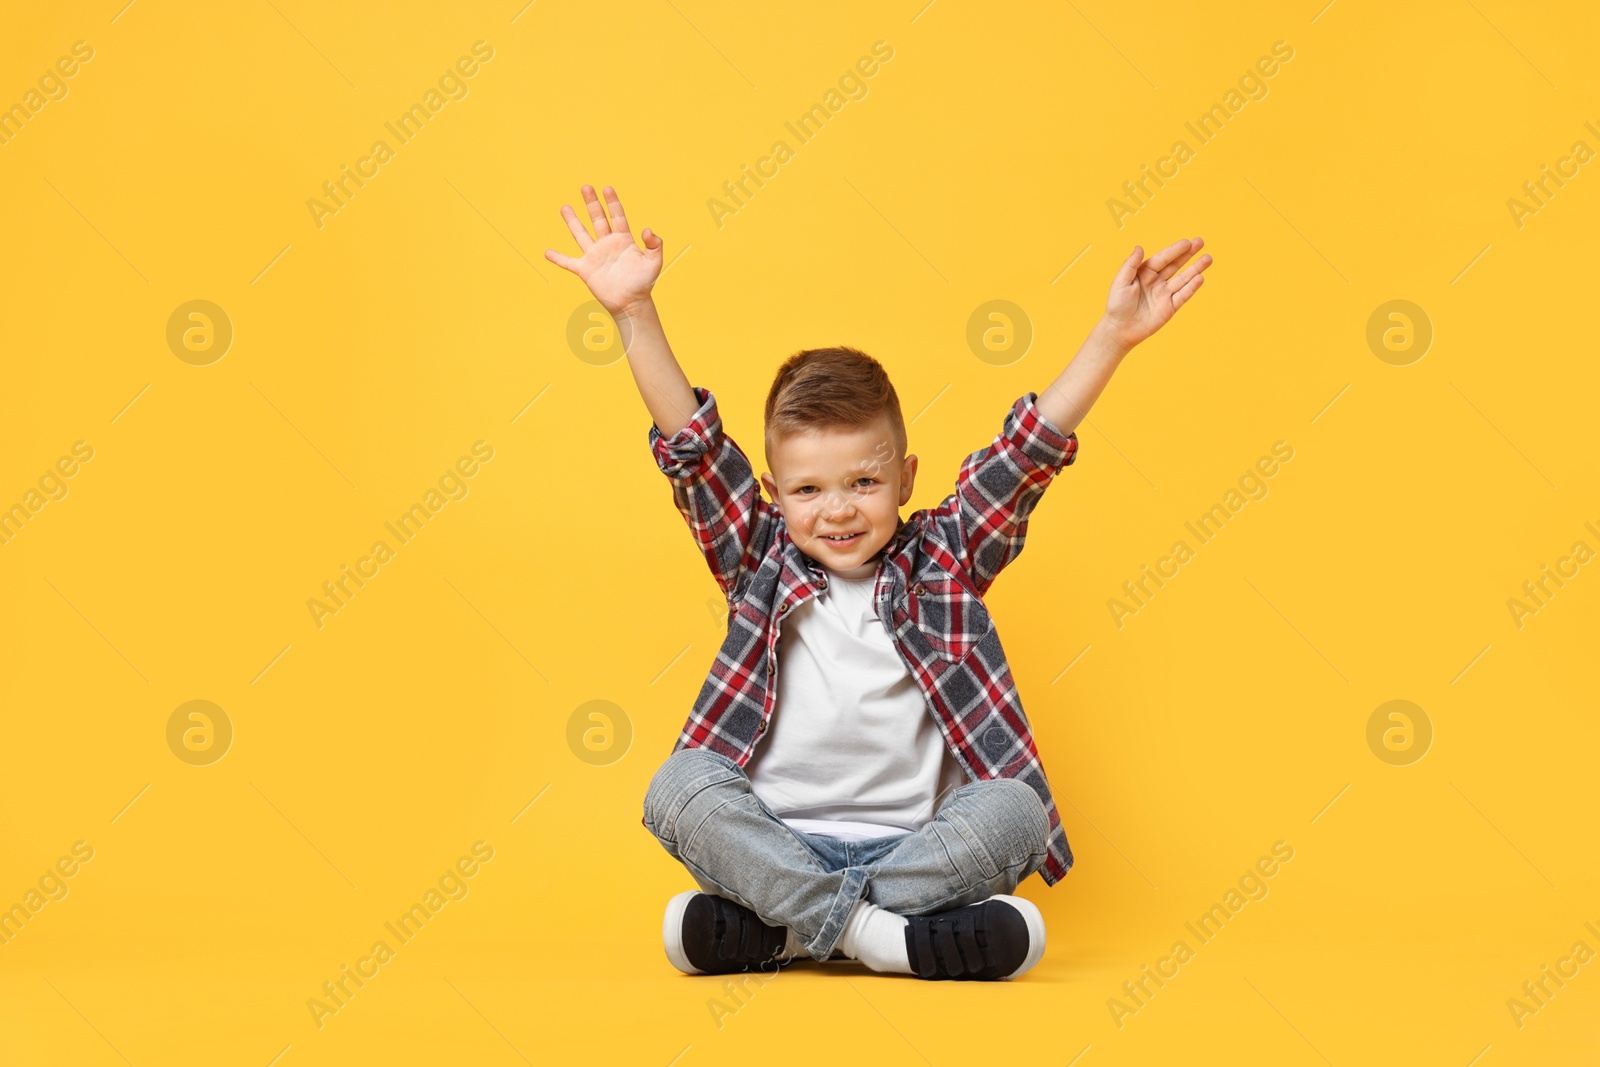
[899, 798]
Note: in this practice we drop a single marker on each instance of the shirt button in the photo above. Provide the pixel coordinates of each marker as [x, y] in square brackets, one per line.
[761, 728]
[920, 590]
[782, 608]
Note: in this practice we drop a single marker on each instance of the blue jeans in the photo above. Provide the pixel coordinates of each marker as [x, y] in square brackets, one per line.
[987, 836]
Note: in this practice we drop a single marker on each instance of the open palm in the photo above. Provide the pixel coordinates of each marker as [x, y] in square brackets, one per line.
[617, 271]
[1145, 295]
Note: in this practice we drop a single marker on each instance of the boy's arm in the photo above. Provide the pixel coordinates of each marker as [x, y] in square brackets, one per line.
[985, 521]
[1144, 296]
[662, 383]
[986, 518]
[621, 277]
[716, 492]
[713, 484]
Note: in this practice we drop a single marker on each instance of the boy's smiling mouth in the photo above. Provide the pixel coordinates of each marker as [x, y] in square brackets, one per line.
[840, 540]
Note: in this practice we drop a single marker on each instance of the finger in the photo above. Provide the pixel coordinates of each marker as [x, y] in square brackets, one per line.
[561, 261]
[1162, 259]
[1182, 296]
[1190, 273]
[1172, 267]
[1159, 261]
[619, 221]
[597, 214]
[652, 241]
[1178, 261]
[577, 228]
[1129, 269]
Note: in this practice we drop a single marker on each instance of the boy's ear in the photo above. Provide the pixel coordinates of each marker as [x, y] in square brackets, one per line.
[908, 475]
[770, 486]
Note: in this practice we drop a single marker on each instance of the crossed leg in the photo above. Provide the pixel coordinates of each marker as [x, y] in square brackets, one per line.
[986, 838]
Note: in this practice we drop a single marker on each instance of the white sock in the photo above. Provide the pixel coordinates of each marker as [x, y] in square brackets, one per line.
[877, 938]
[792, 948]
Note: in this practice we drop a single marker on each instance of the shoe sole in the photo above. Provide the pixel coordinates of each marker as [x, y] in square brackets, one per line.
[672, 932]
[1035, 920]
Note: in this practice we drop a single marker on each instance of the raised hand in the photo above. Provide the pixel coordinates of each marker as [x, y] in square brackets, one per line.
[617, 271]
[1144, 295]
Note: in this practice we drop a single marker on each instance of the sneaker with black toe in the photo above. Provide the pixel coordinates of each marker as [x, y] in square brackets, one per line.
[706, 934]
[994, 940]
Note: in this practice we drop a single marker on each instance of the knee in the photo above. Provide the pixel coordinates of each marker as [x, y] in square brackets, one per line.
[1020, 830]
[685, 774]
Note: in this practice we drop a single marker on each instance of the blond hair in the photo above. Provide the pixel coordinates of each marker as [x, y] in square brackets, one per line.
[822, 388]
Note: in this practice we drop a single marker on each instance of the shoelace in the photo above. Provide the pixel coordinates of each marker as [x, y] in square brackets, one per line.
[950, 946]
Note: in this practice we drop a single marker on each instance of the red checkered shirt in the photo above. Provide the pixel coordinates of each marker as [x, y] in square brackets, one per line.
[928, 593]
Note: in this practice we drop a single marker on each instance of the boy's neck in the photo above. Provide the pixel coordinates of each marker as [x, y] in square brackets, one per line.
[855, 574]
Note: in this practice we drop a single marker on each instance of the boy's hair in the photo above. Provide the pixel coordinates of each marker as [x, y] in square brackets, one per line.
[838, 387]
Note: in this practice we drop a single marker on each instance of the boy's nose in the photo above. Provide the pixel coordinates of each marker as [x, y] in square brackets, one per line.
[837, 504]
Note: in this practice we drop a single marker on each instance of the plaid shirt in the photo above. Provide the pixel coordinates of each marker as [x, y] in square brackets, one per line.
[928, 593]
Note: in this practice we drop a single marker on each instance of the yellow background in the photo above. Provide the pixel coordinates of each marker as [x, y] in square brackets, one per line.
[370, 353]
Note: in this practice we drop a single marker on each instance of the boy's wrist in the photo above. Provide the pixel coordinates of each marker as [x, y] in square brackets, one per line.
[1109, 340]
[636, 309]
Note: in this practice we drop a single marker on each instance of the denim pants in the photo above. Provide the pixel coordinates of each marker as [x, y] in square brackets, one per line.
[986, 837]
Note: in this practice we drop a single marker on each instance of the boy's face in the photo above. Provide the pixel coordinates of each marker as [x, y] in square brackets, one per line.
[840, 491]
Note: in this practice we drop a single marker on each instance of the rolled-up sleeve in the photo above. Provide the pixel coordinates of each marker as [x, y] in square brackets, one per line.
[1036, 436]
[986, 518]
[680, 455]
[715, 489]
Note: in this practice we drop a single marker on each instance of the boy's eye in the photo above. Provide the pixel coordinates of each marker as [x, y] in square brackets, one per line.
[807, 490]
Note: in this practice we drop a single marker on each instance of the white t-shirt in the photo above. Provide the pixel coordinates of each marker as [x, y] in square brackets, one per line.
[852, 749]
